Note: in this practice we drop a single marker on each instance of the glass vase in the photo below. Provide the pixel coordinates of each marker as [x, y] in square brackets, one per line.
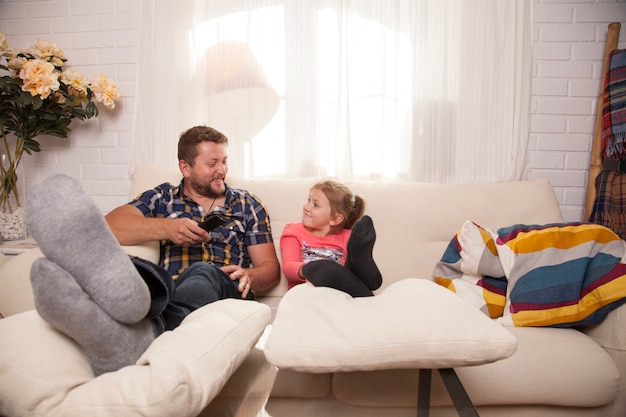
[12, 220]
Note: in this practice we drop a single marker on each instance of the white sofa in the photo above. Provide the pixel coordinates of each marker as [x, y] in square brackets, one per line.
[554, 372]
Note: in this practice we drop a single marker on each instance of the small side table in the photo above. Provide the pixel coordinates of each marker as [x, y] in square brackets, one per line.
[15, 247]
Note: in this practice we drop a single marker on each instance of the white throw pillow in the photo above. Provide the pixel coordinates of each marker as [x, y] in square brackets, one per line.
[44, 373]
[413, 323]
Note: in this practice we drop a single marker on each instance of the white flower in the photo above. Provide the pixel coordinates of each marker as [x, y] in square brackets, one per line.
[75, 79]
[48, 51]
[5, 48]
[40, 78]
[105, 90]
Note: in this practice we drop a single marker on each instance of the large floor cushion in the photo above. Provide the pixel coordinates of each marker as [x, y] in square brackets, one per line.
[44, 373]
[413, 323]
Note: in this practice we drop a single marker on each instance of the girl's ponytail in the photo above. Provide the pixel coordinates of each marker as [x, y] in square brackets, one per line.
[356, 211]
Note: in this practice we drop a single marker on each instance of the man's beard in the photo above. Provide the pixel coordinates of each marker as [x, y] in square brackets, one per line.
[207, 189]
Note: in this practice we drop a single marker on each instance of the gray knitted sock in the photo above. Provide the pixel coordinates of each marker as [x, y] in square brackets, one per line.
[108, 344]
[71, 232]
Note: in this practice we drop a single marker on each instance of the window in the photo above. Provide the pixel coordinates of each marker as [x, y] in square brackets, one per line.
[419, 90]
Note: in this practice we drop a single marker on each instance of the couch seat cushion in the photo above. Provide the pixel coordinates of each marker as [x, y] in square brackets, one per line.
[413, 323]
[560, 367]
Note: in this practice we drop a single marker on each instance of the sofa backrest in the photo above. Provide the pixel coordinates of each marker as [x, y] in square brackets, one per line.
[414, 221]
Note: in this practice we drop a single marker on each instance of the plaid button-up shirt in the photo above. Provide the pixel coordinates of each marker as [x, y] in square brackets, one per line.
[248, 224]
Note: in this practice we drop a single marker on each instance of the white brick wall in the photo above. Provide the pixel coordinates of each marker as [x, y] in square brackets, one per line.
[102, 36]
[98, 36]
[568, 49]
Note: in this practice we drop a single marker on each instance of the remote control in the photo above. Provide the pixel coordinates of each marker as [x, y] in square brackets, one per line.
[213, 220]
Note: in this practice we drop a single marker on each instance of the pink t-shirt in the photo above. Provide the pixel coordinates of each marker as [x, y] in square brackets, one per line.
[299, 246]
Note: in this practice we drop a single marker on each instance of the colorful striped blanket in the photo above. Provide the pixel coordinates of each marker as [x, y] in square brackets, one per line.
[559, 275]
[614, 107]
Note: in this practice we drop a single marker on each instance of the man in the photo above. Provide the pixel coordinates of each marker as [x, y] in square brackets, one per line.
[131, 301]
[171, 215]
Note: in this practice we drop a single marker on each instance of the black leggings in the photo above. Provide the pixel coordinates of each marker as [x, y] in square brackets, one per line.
[326, 273]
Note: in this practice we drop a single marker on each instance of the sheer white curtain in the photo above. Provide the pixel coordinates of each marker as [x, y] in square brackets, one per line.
[418, 90]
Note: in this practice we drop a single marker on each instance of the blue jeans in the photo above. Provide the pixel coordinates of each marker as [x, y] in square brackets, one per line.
[173, 300]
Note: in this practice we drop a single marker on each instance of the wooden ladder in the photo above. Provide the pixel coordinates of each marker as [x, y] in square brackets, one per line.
[612, 38]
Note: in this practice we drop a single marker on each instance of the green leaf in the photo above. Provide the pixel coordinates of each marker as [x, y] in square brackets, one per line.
[91, 110]
[37, 102]
[31, 145]
[24, 99]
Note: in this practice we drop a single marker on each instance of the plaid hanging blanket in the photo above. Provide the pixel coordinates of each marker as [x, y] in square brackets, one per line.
[614, 107]
[609, 206]
[558, 275]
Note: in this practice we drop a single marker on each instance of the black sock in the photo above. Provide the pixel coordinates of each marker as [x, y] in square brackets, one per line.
[359, 259]
[326, 273]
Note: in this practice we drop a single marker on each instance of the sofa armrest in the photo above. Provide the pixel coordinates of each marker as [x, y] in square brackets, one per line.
[43, 372]
[16, 292]
[148, 251]
[611, 335]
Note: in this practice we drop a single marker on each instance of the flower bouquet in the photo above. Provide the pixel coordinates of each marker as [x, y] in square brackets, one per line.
[39, 95]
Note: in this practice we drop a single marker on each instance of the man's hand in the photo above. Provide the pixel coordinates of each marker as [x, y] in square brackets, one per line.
[130, 227]
[186, 232]
[265, 273]
[235, 272]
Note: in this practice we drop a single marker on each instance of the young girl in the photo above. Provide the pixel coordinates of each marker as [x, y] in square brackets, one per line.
[332, 246]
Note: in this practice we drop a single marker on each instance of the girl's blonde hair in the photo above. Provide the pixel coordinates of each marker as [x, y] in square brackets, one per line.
[342, 201]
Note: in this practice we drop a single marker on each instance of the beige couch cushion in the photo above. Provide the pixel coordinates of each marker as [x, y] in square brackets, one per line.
[413, 323]
[43, 373]
[560, 367]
